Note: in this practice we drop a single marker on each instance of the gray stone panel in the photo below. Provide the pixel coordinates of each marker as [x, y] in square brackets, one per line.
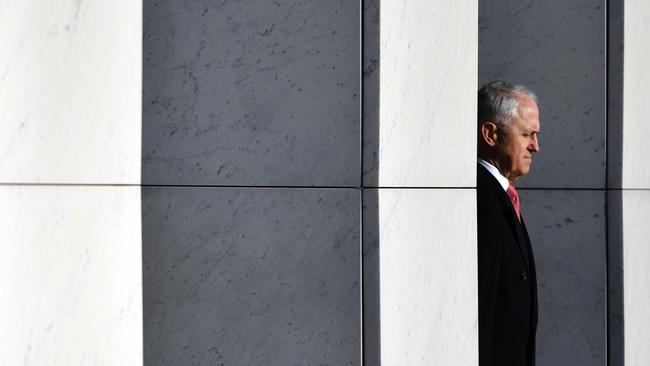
[251, 276]
[567, 230]
[251, 93]
[557, 48]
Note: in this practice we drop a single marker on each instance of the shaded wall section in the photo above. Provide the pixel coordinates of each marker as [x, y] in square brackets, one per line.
[251, 276]
[251, 170]
[568, 231]
[251, 93]
[558, 49]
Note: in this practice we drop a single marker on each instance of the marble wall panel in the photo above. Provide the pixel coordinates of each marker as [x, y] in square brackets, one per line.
[636, 274]
[421, 244]
[251, 93]
[420, 93]
[557, 48]
[70, 86]
[72, 277]
[251, 276]
[568, 234]
[636, 128]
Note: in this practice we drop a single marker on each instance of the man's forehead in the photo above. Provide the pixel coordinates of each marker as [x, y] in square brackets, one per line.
[528, 120]
[527, 103]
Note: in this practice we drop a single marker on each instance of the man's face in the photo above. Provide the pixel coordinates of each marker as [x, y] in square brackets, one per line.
[518, 140]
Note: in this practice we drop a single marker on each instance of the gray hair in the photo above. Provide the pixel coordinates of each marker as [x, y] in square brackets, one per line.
[498, 101]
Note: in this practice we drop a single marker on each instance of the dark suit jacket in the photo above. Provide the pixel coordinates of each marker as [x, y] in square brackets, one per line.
[507, 281]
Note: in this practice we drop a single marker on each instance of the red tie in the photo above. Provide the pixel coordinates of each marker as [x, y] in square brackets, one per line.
[514, 198]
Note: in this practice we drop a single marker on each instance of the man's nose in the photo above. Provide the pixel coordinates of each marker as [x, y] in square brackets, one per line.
[534, 144]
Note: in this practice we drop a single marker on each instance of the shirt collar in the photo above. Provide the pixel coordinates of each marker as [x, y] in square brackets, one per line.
[495, 172]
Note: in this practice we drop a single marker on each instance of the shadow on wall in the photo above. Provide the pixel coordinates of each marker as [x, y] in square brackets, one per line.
[370, 164]
[615, 309]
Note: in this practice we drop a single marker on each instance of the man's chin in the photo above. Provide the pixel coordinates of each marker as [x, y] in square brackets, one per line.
[522, 172]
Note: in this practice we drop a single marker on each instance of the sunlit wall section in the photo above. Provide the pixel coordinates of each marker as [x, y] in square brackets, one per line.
[419, 204]
[70, 86]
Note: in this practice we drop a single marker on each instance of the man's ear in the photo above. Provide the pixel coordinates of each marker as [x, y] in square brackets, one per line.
[489, 133]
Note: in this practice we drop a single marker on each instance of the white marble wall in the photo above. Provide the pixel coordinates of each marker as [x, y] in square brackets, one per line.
[426, 270]
[421, 136]
[70, 91]
[636, 77]
[419, 224]
[70, 86]
[636, 274]
[634, 195]
[71, 278]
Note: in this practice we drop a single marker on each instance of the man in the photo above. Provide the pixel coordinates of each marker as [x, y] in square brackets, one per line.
[508, 126]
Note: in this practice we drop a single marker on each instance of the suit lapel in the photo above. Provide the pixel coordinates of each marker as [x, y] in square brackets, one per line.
[509, 212]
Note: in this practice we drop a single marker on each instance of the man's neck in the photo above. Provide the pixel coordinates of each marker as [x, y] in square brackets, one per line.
[503, 181]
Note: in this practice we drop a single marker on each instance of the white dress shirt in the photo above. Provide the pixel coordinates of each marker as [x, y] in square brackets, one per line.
[495, 172]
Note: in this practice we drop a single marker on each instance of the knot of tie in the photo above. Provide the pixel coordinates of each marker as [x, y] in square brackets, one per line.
[514, 198]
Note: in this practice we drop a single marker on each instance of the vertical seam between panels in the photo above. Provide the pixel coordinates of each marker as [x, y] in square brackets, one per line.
[361, 188]
[607, 163]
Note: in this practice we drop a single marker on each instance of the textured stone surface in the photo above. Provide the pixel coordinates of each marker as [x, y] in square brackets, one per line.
[557, 48]
[636, 274]
[71, 276]
[70, 86]
[420, 94]
[567, 230]
[251, 277]
[636, 128]
[420, 290]
[251, 93]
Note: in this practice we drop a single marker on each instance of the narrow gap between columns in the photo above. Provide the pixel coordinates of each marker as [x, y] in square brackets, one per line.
[361, 261]
[607, 162]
